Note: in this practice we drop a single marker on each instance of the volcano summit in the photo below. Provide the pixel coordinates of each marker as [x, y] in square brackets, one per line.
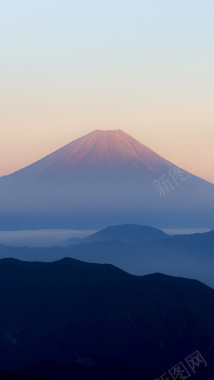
[105, 177]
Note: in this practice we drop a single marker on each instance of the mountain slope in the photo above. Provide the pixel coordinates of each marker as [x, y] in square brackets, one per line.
[92, 314]
[110, 150]
[104, 178]
[128, 233]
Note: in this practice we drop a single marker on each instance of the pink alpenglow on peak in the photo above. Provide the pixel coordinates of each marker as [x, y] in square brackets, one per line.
[104, 178]
[103, 150]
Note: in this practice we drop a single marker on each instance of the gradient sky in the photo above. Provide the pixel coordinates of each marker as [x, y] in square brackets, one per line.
[69, 67]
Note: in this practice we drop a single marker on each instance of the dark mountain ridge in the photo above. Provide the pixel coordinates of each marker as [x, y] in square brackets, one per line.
[74, 312]
[182, 255]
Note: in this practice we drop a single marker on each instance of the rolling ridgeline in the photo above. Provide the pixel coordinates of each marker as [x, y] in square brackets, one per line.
[70, 319]
[138, 250]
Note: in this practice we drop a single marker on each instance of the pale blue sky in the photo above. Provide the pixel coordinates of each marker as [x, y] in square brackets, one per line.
[68, 67]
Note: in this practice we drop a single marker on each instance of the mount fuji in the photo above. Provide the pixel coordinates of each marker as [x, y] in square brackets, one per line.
[103, 178]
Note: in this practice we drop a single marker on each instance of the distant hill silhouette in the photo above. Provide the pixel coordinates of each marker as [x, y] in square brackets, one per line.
[182, 255]
[126, 233]
[97, 315]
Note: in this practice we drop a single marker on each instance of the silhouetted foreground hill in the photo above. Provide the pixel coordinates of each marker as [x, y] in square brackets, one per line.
[94, 320]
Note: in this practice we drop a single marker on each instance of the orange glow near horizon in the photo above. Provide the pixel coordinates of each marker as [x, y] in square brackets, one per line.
[26, 147]
[64, 73]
